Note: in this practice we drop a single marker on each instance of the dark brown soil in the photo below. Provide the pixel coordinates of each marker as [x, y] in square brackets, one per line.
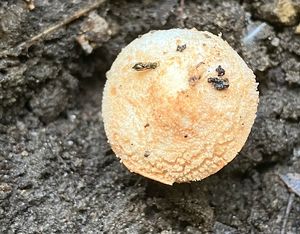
[57, 171]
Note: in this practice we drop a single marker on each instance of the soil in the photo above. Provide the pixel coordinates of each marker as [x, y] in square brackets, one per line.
[57, 171]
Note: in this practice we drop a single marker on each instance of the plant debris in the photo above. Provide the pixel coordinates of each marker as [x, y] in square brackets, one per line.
[292, 181]
[219, 83]
[181, 48]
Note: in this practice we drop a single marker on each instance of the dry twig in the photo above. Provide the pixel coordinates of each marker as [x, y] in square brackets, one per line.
[287, 212]
[292, 181]
[181, 12]
[15, 51]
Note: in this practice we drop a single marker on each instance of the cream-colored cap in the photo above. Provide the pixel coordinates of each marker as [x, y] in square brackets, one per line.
[178, 105]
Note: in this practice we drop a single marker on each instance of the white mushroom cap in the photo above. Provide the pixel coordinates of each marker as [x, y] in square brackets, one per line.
[168, 122]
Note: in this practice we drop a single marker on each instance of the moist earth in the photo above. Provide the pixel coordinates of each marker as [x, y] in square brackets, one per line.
[57, 171]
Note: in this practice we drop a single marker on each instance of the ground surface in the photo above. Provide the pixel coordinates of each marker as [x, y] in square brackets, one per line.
[57, 172]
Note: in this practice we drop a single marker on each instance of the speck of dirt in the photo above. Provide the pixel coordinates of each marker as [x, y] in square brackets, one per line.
[220, 71]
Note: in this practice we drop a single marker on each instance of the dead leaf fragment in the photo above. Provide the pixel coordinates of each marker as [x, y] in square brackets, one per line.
[292, 181]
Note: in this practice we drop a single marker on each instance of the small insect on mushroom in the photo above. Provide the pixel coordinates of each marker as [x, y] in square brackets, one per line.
[144, 66]
[169, 124]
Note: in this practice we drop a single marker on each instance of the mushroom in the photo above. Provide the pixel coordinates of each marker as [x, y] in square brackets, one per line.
[178, 115]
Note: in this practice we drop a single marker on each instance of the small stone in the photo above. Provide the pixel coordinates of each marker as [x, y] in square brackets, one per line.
[297, 30]
[275, 42]
[94, 31]
[5, 190]
[285, 11]
[24, 153]
[30, 4]
[84, 43]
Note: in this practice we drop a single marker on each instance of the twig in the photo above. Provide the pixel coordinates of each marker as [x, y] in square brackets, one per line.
[26, 44]
[181, 12]
[287, 212]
